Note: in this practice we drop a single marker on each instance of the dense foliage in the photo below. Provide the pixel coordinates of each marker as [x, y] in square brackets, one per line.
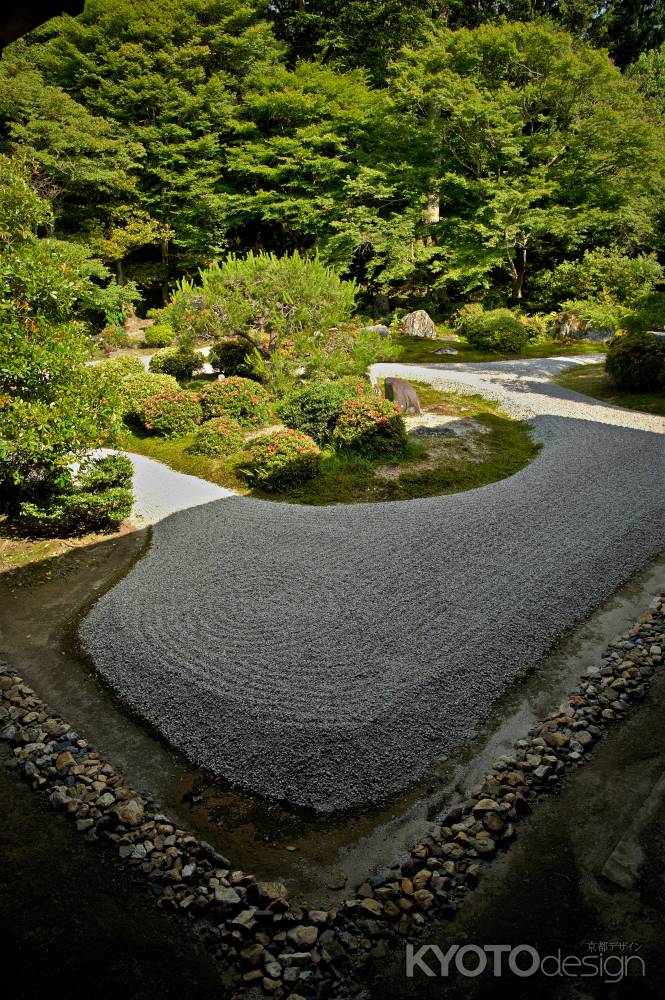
[497, 330]
[281, 458]
[636, 361]
[180, 362]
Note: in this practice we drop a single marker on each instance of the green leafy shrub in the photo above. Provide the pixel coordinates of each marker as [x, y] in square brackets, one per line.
[467, 315]
[136, 388]
[648, 314]
[77, 512]
[159, 335]
[118, 367]
[370, 426]
[601, 313]
[109, 472]
[497, 330]
[172, 413]
[232, 357]
[240, 398]
[636, 361]
[314, 408]
[538, 326]
[281, 458]
[218, 437]
[114, 338]
[98, 498]
[180, 362]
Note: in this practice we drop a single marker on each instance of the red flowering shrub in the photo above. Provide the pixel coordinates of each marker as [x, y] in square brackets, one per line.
[315, 407]
[241, 398]
[172, 413]
[370, 426]
[282, 458]
[217, 437]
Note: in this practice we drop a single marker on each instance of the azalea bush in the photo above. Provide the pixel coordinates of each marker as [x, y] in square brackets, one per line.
[370, 426]
[281, 458]
[241, 398]
[315, 408]
[218, 437]
[636, 361]
[172, 413]
[180, 362]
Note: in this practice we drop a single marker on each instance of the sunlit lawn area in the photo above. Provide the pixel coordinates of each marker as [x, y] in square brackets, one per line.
[593, 381]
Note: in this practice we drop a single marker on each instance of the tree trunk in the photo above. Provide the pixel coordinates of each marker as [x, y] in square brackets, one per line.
[432, 211]
[519, 267]
[165, 266]
[119, 273]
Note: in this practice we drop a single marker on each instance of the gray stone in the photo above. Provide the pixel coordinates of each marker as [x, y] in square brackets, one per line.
[418, 324]
[129, 813]
[303, 936]
[379, 328]
[226, 895]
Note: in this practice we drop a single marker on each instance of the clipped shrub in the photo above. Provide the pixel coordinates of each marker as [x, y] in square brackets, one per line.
[370, 426]
[114, 338]
[159, 335]
[314, 408]
[497, 330]
[78, 512]
[99, 498]
[172, 413]
[180, 362]
[106, 473]
[121, 365]
[218, 437]
[636, 361]
[136, 388]
[231, 356]
[538, 326]
[240, 398]
[282, 458]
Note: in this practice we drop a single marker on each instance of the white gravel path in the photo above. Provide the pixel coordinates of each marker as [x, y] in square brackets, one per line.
[328, 656]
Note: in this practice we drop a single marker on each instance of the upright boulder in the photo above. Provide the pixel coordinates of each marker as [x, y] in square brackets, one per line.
[418, 324]
[402, 394]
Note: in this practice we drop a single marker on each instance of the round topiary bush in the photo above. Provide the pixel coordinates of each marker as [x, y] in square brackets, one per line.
[121, 365]
[230, 356]
[636, 361]
[497, 330]
[314, 408]
[218, 437]
[240, 398]
[137, 387]
[172, 413]
[282, 458]
[466, 315]
[159, 335]
[180, 362]
[370, 426]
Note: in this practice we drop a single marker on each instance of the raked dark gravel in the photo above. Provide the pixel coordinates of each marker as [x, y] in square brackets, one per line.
[326, 656]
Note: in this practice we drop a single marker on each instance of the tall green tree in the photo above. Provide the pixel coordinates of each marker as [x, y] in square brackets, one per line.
[168, 76]
[648, 72]
[51, 407]
[529, 146]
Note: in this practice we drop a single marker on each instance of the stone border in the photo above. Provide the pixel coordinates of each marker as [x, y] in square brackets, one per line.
[249, 925]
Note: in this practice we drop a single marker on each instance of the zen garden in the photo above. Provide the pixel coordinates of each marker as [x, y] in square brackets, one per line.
[332, 520]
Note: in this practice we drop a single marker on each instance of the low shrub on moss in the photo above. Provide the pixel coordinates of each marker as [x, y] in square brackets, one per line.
[180, 362]
[114, 338]
[240, 398]
[218, 437]
[282, 458]
[370, 426]
[636, 361]
[172, 413]
[315, 408]
[159, 335]
[466, 315]
[107, 473]
[497, 330]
